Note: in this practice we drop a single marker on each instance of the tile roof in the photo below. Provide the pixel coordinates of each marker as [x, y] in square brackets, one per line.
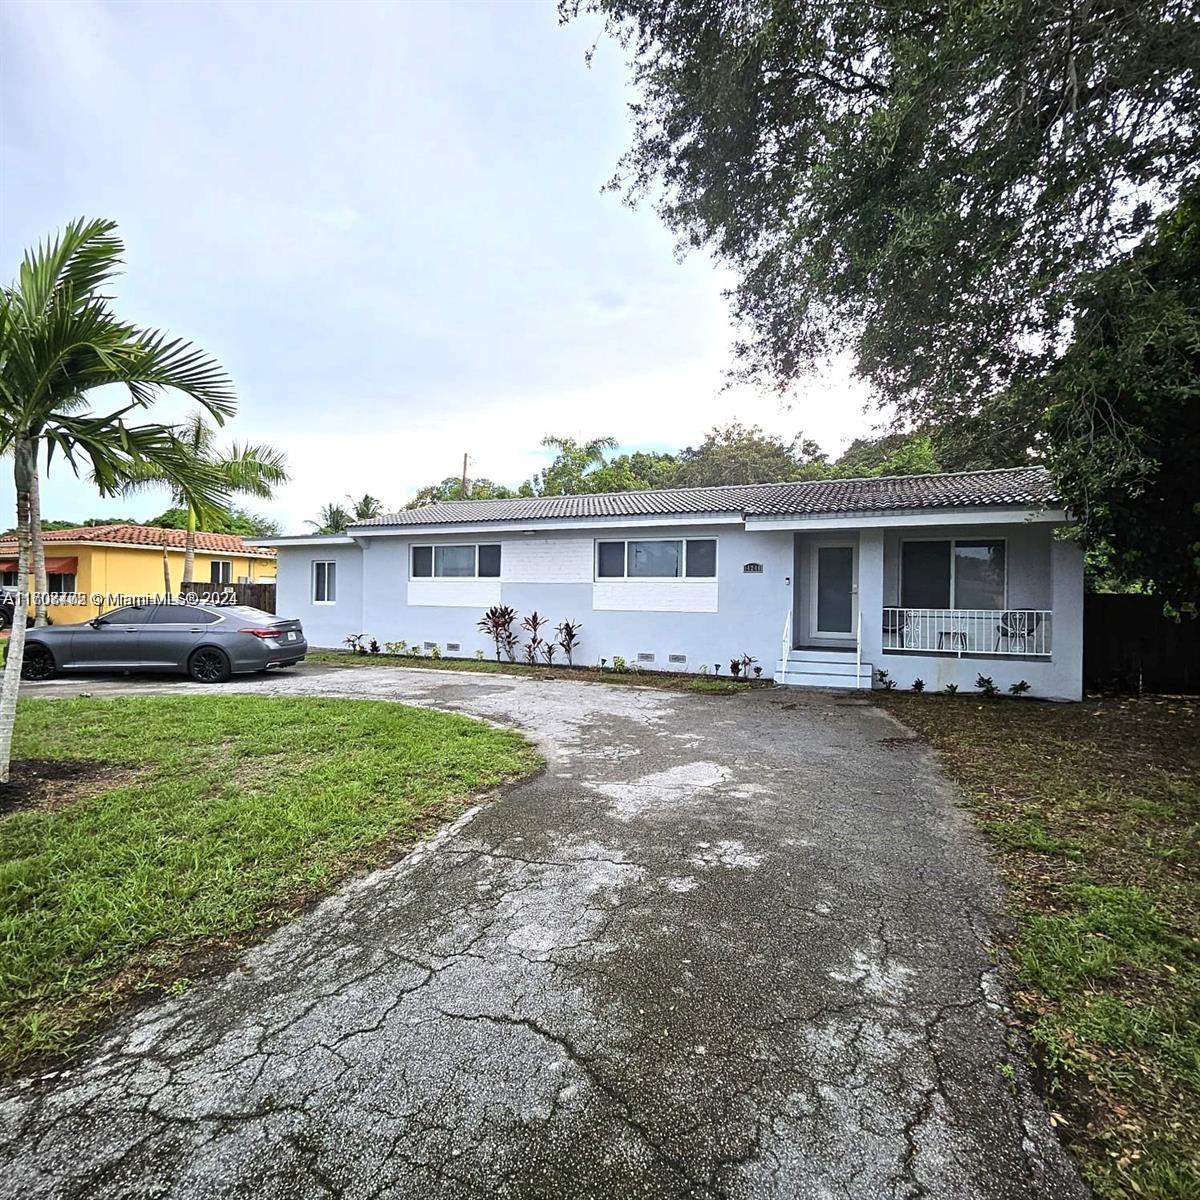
[148, 535]
[1018, 487]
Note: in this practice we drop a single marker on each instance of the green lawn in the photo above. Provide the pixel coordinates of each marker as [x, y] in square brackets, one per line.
[713, 684]
[201, 822]
[1094, 812]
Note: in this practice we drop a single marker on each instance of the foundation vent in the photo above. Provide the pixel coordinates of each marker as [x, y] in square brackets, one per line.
[430, 645]
[677, 658]
[644, 657]
[453, 647]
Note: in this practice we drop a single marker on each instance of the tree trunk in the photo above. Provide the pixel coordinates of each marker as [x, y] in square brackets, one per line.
[22, 475]
[189, 548]
[166, 569]
[41, 585]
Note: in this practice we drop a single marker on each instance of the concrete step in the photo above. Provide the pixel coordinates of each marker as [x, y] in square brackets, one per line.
[824, 673]
[831, 655]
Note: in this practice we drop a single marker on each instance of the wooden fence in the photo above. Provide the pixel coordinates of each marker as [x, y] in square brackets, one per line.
[252, 595]
[1128, 645]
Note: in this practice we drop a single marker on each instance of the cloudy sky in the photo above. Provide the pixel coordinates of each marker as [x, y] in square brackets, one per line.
[386, 221]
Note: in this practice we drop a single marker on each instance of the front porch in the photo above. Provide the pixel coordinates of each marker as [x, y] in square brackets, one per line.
[943, 603]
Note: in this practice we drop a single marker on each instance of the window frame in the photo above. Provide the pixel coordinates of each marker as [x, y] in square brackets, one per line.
[953, 541]
[227, 569]
[682, 577]
[432, 547]
[326, 563]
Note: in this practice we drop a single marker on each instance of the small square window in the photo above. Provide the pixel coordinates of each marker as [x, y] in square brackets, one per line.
[422, 562]
[489, 562]
[702, 558]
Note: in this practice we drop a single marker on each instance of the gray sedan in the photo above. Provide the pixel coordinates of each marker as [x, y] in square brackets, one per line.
[207, 642]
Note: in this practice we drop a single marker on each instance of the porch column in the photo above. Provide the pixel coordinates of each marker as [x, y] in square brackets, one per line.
[1066, 630]
[870, 595]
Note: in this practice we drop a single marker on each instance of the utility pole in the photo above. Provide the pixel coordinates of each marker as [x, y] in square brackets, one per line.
[465, 485]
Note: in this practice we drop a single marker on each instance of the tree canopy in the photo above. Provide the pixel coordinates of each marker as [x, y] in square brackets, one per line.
[923, 184]
[1124, 413]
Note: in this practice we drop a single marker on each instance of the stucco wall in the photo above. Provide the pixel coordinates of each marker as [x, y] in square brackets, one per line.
[135, 571]
[696, 620]
[374, 597]
[1044, 571]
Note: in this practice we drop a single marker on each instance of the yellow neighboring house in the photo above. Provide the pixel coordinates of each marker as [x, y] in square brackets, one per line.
[98, 564]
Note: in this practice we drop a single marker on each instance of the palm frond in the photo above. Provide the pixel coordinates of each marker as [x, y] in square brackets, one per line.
[68, 268]
[254, 470]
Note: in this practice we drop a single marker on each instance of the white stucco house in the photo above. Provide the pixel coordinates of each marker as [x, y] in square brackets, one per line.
[938, 577]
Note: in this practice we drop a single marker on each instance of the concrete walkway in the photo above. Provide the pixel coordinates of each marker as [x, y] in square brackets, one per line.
[724, 946]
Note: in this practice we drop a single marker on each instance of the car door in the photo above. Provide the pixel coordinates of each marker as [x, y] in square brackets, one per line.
[172, 634]
[111, 640]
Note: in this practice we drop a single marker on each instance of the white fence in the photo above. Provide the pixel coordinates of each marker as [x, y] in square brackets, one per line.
[1019, 631]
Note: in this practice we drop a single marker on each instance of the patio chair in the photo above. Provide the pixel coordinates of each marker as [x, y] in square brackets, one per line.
[1018, 626]
[896, 626]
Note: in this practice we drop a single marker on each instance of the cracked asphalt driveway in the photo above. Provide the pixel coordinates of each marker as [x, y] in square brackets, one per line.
[723, 946]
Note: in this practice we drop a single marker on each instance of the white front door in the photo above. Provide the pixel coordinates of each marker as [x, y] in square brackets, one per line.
[834, 590]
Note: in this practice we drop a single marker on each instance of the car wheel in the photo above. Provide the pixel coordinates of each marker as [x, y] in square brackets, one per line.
[209, 665]
[38, 664]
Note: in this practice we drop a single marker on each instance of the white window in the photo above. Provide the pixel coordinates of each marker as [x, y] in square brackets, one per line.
[657, 558]
[953, 573]
[456, 561]
[220, 570]
[324, 583]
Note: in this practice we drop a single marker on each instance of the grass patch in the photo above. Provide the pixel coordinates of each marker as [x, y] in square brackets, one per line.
[228, 815]
[711, 685]
[1094, 812]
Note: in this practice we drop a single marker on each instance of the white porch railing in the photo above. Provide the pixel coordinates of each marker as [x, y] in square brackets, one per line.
[1024, 632]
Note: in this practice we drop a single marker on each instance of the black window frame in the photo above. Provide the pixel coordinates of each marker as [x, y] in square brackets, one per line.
[429, 558]
[684, 542]
[952, 584]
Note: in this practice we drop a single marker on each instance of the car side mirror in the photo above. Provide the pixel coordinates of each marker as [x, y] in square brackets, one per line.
[97, 622]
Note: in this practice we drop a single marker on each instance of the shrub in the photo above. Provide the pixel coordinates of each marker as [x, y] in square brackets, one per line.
[548, 649]
[373, 647]
[497, 623]
[480, 656]
[395, 647]
[568, 639]
[986, 686]
[532, 625]
[357, 643]
[1019, 688]
[735, 666]
[619, 664]
[758, 672]
[884, 679]
[918, 685]
[435, 652]
[951, 689]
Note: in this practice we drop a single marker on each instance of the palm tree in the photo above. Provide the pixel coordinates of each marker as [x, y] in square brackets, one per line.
[366, 507]
[60, 340]
[332, 518]
[243, 470]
